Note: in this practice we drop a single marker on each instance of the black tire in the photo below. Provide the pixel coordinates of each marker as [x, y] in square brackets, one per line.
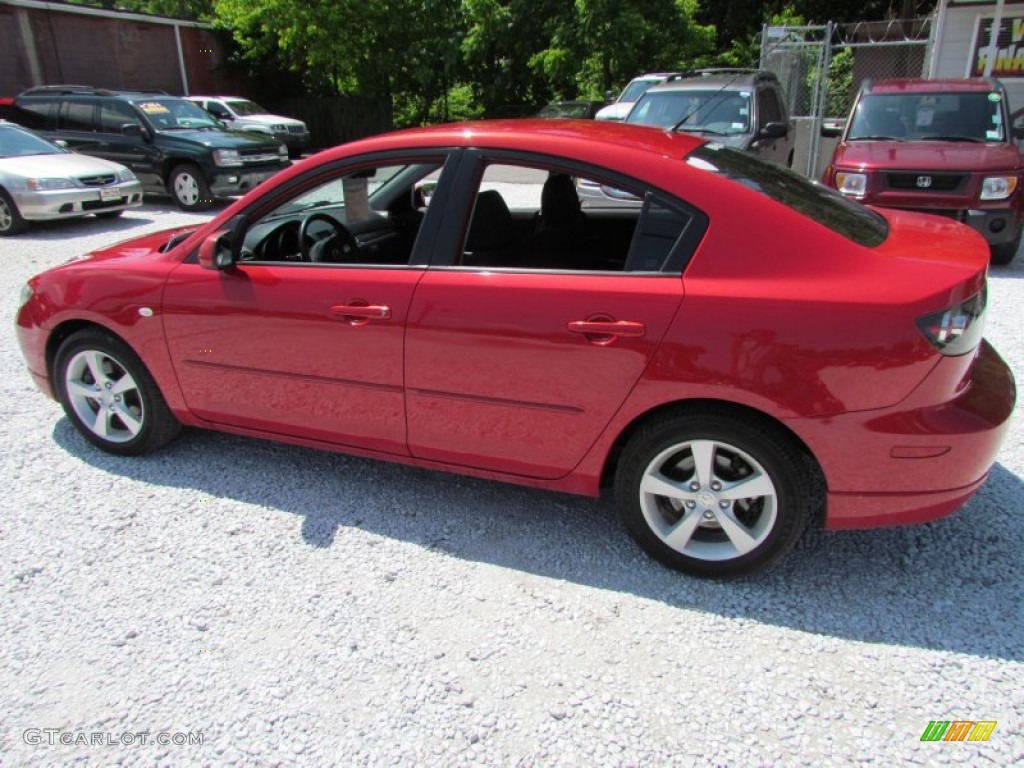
[1003, 254]
[147, 424]
[745, 449]
[109, 214]
[189, 189]
[11, 222]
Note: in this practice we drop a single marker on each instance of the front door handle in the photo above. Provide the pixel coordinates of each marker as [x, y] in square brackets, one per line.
[361, 313]
[612, 328]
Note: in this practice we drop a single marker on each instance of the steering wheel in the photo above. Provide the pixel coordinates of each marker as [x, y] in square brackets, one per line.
[338, 245]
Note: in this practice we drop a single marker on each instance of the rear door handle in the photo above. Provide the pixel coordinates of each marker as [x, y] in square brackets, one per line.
[628, 328]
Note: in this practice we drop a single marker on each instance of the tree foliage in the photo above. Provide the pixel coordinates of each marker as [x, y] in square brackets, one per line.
[450, 59]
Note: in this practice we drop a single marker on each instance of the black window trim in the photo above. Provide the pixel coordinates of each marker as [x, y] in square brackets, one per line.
[426, 238]
[470, 173]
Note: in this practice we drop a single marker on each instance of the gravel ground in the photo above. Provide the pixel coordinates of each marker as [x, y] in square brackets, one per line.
[302, 608]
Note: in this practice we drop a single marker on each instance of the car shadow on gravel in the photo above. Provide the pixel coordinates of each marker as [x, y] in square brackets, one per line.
[953, 585]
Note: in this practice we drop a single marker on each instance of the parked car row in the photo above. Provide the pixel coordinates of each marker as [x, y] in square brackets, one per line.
[195, 150]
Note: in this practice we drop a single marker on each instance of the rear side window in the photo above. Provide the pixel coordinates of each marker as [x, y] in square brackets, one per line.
[77, 116]
[825, 206]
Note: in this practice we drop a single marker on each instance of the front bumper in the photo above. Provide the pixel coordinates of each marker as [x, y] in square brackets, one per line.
[49, 204]
[230, 182]
[294, 141]
[930, 453]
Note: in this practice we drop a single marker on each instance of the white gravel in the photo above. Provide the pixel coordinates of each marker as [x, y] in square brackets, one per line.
[304, 608]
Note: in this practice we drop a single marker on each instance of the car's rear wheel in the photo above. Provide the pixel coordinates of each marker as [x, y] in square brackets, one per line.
[715, 495]
[189, 188]
[11, 222]
[1003, 254]
[109, 395]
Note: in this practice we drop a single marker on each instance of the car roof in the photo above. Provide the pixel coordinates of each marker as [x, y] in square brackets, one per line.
[918, 85]
[710, 78]
[583, 139]
[194, 96]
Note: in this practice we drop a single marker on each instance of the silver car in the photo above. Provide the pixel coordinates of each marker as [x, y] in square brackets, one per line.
[244, 115]
[40, 181]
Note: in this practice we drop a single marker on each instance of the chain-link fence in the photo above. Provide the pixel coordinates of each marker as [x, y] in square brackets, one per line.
[822, 67]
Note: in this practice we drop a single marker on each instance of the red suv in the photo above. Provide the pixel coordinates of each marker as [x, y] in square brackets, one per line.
[937, 146]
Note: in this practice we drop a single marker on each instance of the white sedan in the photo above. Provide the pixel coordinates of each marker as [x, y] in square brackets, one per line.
[40, 180]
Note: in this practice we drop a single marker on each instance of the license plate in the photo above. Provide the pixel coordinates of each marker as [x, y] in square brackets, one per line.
[110, 194]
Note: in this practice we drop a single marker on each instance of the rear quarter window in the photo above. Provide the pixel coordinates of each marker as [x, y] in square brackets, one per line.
[819, 203]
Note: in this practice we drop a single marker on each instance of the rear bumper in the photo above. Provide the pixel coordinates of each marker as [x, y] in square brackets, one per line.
[927, 455]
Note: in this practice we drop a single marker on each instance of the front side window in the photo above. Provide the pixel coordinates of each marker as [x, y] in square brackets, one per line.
[714, 111]
[114, 115]
[530, 217]
[823, 205]
[975, 117]
[368, 216]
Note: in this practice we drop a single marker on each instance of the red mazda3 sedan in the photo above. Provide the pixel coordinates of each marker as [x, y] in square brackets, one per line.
[739, 354]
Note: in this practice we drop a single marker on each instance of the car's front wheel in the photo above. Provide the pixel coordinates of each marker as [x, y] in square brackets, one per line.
[716, 495]
[109, 395]
[11, 222]
[189, 188]
[1005, 252]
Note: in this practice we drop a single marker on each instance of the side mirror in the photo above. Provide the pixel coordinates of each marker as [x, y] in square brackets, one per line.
[215, 251]
[772, 131]
[831, 129]
[61, 143]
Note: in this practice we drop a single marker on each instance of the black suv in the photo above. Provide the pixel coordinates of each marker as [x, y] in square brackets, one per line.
[173, 146]
[742, 108]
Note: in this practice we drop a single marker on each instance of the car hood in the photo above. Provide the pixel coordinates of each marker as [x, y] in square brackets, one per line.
[616, 111]
[144, 246]
[268, 120]
[58, 165]
[926, 156]
[223, 139]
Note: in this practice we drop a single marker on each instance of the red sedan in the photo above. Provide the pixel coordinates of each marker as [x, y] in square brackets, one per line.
[741, 353]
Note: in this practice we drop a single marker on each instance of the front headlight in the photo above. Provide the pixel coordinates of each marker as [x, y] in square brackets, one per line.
[998, 187]
[282, 150]
[125, 174]
[227, 158]
[852, 184]
[41, 184]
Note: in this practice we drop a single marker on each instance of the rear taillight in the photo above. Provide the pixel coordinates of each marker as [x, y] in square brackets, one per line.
[958, 329]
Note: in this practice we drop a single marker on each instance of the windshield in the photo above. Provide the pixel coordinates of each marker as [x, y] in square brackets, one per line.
[15, 142]
[635, 90]
[825, 206]
[715, 112]
[175, 114]
[243, 107]
[361, 185]
[928, 116]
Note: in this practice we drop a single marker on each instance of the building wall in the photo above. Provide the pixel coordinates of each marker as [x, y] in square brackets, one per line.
[956, 45]
[49, 45]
